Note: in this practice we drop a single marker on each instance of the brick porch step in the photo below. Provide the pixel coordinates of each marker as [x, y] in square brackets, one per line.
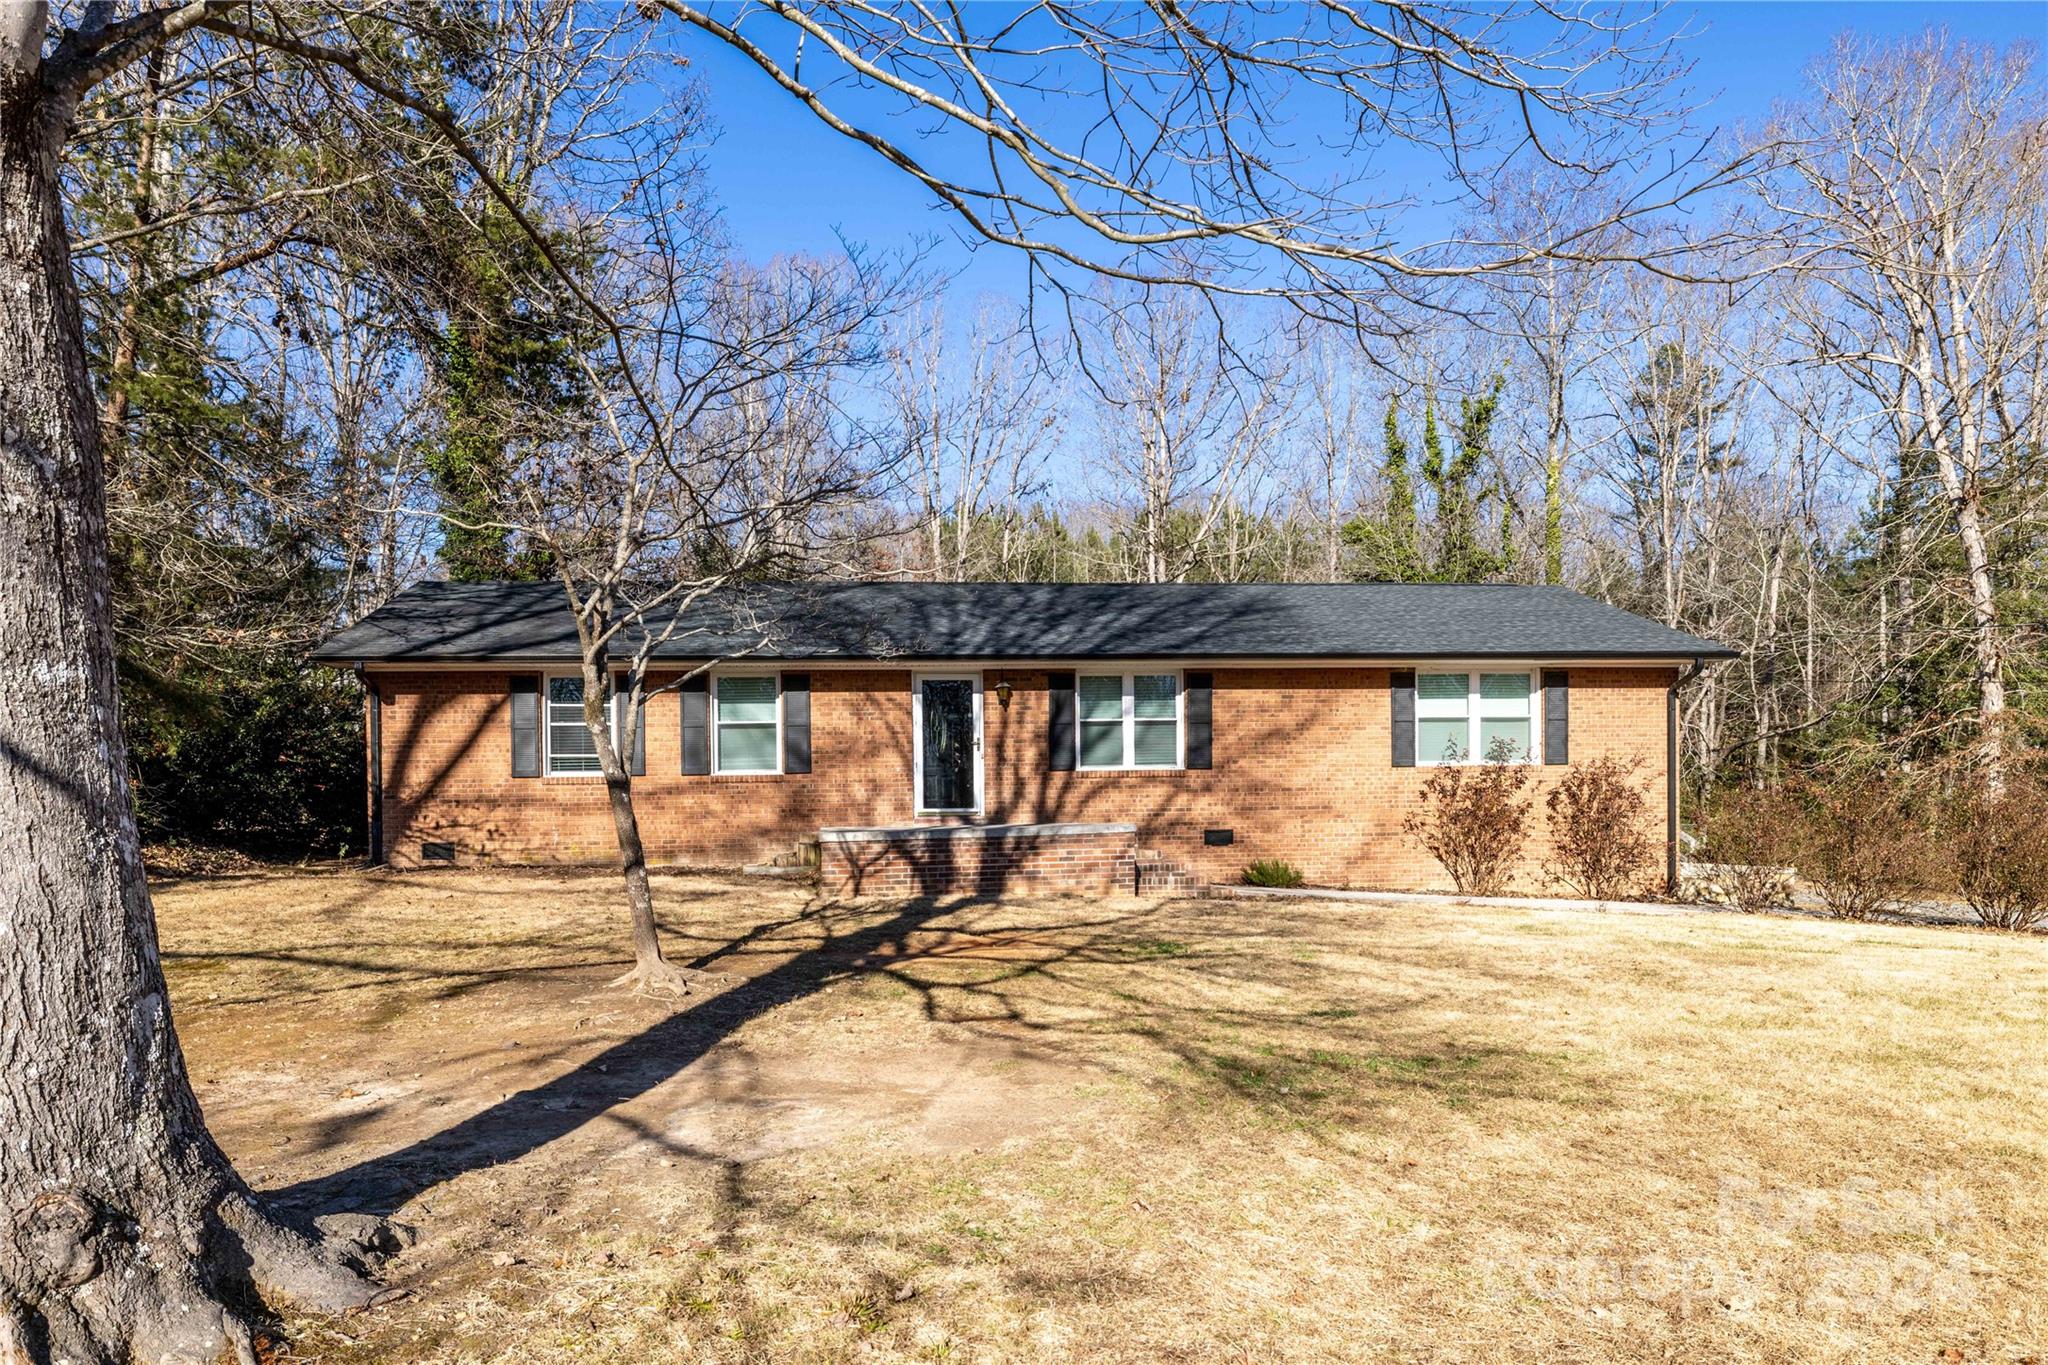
[1154, 873]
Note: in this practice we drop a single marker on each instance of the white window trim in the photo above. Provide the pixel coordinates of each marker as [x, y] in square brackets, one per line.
[917, 682]
[1130, 724]
[718, 768]
[1475, 710]
[547, 724]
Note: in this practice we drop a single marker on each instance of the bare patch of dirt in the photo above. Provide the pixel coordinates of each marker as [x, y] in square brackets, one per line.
[1126, 1131]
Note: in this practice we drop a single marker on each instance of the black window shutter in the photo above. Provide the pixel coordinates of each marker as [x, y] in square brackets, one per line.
[636, 763]
[796, 722]
[525, 726]
[1557, 716]
[1059, 722]
[1401, 693]
[696, 698]
[1196, 706]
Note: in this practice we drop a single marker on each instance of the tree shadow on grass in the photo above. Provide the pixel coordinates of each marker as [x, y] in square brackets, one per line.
[530, 1119]
[1073, 981]
[984, 965]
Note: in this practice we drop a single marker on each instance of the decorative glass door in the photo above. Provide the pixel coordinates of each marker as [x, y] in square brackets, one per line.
[949, 744]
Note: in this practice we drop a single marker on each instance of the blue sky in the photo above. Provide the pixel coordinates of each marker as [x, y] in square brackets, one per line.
[789, 184]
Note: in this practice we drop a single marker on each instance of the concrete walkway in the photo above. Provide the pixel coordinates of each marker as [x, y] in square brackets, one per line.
[1932, 917]
[1441, 898]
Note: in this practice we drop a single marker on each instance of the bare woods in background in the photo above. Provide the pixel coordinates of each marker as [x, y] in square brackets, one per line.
[1822, 441]
[1837, 461]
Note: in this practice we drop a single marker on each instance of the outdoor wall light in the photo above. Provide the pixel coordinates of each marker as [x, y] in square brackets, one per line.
[1003, 690]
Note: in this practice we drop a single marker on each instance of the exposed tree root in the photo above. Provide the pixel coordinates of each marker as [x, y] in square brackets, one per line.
[13, 1332]
[104, 1289]
[662, 979]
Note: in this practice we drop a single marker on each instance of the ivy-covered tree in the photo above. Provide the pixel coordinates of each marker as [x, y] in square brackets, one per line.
[1442, 540]
[1387, 547]
[1462, 485]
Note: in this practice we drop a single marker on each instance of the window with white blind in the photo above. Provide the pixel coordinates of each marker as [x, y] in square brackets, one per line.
[571, 751]
[1128, 720]
[1475, 716]
[747, 723]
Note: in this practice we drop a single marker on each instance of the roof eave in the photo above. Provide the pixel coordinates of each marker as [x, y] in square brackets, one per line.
[1717, 654]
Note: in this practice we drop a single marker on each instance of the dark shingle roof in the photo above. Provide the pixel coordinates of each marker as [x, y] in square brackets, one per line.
[530, 622]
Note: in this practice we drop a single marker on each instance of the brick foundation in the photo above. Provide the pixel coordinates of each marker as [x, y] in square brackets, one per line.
[979, 859]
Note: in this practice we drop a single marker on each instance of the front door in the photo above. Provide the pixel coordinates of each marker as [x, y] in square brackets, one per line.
[949, 744]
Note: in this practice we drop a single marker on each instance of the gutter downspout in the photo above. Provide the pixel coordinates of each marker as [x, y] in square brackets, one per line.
[1671, 775]
[375, 702]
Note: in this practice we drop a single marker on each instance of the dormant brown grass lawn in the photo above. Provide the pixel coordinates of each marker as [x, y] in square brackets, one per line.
[1195, 1130]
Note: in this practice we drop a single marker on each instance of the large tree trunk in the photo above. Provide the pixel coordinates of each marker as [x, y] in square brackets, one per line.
[1958, 463]
[123, 1229]
[1990, 653]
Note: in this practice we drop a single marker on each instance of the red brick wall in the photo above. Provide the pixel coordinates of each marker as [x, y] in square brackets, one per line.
[448, 777]
[1302, 772]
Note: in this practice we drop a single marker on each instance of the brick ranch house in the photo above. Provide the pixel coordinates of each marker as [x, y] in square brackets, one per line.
[941, 736]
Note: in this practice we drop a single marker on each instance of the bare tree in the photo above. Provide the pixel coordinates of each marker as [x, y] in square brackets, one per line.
[1917, 179]
[1332, 410]
[1704, 488]
[1673, 447]
[1186, 413]
[707, 464]
[976, 437]
[1188, 177]
[341, 361]
[1553, 311]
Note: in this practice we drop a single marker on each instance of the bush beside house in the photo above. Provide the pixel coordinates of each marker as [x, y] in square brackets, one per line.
[1602, 845]
[1475, 821]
